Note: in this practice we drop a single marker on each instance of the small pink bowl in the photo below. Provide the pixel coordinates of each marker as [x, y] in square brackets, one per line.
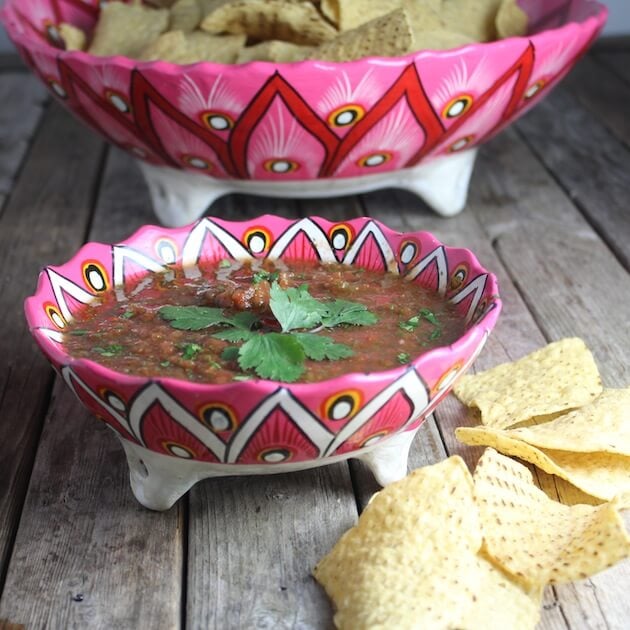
[310, 128]
[177, 432]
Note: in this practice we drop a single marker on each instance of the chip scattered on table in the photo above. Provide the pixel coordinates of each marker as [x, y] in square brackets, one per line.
[605, 476]
[536, 539]
[412, 561]
[600, 426]
[558, 377]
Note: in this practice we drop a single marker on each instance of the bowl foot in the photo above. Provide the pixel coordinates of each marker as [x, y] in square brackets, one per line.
[159, 481]
[388, 462]
[180, 197]
[443, 183]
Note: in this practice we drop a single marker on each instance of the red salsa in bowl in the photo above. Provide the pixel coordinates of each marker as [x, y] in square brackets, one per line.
[285, 321]
[267, 345]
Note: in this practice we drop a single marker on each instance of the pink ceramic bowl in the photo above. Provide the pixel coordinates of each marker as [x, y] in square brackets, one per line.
[310, 128]
[177, 432]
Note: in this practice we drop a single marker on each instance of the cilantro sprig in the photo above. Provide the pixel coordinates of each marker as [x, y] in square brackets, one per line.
[424, 314]
[276, 354]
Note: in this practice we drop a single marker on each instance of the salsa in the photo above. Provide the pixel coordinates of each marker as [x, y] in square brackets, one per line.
[295, 321]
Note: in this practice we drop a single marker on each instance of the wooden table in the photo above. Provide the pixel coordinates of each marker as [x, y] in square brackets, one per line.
[548, 212]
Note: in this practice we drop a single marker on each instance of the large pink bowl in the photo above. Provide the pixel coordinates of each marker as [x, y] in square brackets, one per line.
[282, 128]
[173, 428]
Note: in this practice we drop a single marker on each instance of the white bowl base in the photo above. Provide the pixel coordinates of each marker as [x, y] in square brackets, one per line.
[158, 481]
[181, 197]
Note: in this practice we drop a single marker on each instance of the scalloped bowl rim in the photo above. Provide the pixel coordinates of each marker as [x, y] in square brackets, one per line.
[55, 352]
[594, 22]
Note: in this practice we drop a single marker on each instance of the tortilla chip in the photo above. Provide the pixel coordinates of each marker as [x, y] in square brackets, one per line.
[511, 20]
[274, 50]
[602, 475]
[560, 376]
[537, 540]
[161, 4]
[412, 561]
[348, 14]
[389, 35]
[185, 16]
[474, 18]
[125, 29]
[73, 37]
[297, 22]
[439, 40]
[183, 48]
[601, 426]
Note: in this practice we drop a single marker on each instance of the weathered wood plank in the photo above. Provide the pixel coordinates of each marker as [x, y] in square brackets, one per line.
[117, 565]
[87, 554]
[44, 220]
[587, 148]
[618, 61]
[599, 90]
[566, 274]
[253, 544]
[23, 98]
[573, 285]
[254, 541]
[10, 62]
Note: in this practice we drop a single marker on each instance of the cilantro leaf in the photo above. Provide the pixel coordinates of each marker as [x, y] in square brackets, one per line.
[199, 317]
[403, 358]
[411, 324]
[190, 351]
[230, 353]
[319, 347]
[274, 356]
[436, 333]
[269, 276]
[295, 307]
[192, 317]
[234, 335]
[346, 312]
[429, 316]
[108, 351]
[244, 320]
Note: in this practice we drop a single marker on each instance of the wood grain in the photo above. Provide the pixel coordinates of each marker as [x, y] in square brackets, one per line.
[618, 62]
[23, 98]
[598, 88]
[587, 148]
[43, 222]
[115, 564]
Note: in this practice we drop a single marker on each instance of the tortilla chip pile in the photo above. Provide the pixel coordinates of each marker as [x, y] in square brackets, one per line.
[441, 549]
[566, 424]
[238, 31]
